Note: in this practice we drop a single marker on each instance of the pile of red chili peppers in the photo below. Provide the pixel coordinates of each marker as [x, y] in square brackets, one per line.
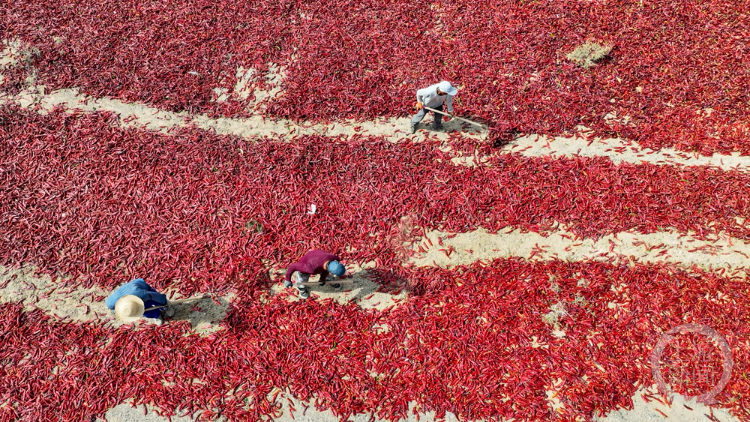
[91, 203]
[677, 71]
[88, 199]
[477, 347]
[200, 212]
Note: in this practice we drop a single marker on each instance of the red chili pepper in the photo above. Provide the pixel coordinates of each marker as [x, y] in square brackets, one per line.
[190, 212]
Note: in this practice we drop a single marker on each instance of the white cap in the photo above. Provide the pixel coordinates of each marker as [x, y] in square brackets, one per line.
[446, 87]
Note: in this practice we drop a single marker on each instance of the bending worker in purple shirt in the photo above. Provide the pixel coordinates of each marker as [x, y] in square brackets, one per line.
[314, 262]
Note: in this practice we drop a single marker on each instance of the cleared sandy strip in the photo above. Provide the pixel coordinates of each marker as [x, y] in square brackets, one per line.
[620, 151]
[80, 305]
[668, 246]
[302, 412]
[143, 116]
[679, 411]
[393, 129]
[359, 288]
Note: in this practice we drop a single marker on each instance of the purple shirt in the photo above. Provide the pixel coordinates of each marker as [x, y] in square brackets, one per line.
[312, 263]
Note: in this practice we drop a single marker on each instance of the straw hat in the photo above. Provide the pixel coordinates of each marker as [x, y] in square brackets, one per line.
[129, 308]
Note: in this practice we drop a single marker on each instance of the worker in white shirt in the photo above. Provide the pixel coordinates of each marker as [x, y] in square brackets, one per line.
[434, 97]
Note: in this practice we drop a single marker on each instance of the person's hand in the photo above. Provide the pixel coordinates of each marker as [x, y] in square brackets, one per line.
[419, 106]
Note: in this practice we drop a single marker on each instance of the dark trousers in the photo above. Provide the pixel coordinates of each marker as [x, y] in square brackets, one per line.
[422, 112]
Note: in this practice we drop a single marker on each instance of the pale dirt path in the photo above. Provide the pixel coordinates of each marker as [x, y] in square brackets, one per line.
[87, 304]
[620, 151]
[362, 291]
[667, 246]
[643, 411]
[125, 413]
[391, 129]
[81, 305]
[648, 411]
[144, 116]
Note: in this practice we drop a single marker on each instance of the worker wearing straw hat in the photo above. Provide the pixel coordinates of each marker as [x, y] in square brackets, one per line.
[134, 299]
[314, 262]
[433, 97]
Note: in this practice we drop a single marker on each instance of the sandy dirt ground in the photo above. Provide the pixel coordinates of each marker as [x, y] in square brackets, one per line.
[361, 290]
[450, 249]
[81, 305]
[125, 413]
[643, 411]
[21, 286]
[620, 151]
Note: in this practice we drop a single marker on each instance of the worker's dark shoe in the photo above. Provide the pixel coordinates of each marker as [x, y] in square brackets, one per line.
[169, 311]
[437, 127]
[336, 286]
[413, 129]
[304, 294]
[287, 284]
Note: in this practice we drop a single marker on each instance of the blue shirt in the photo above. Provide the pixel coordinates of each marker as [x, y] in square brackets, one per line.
[138, 288]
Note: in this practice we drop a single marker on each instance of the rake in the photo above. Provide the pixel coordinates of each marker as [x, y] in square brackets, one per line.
[456, 117]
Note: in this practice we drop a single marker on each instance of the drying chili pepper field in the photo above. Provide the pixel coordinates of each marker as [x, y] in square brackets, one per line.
[583, 257]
